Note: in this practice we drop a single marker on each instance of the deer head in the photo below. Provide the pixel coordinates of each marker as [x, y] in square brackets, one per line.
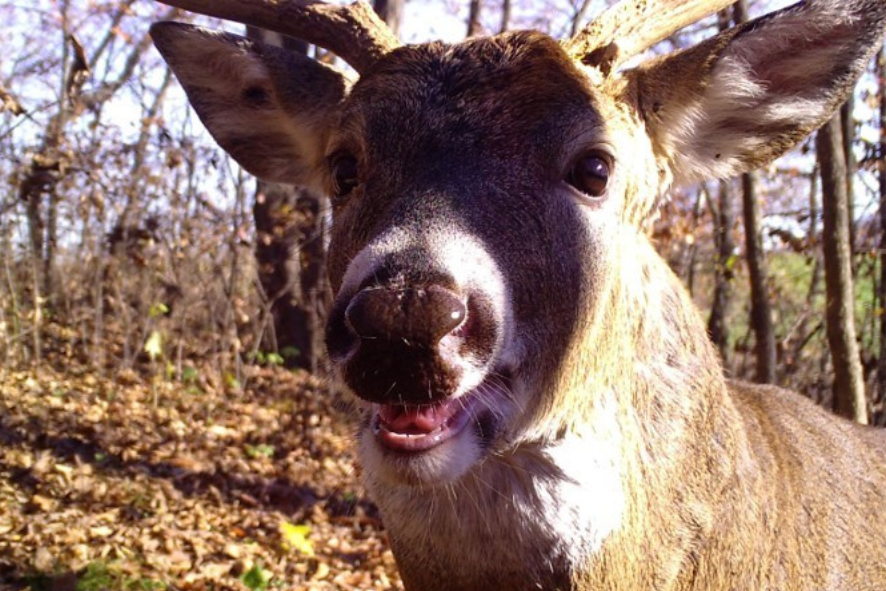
[496, 291]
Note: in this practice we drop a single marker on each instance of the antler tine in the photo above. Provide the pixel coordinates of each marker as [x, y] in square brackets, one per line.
[353, 32]
[632, 26]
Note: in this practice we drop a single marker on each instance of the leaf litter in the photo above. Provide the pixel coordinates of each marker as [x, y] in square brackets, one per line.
[127, 483]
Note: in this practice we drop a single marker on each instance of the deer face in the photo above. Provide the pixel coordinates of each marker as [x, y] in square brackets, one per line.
[472, 211]
[489, 198]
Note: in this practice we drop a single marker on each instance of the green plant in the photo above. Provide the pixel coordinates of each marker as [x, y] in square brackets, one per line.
[261, 450]
[96, 577]
[262, 358]
[274, 359]
[189, 374]
[290, 352]
[256, 578]
[144, 584]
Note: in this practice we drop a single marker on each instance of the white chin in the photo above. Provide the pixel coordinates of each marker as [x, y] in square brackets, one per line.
[440, 465]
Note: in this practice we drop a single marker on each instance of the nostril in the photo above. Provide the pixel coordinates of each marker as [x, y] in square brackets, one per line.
[418, 315]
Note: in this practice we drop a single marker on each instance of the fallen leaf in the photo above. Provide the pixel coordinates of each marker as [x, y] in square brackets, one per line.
[44, 561]
[295, 537]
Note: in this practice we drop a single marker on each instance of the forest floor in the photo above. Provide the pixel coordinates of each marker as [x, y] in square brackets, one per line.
[131, 483]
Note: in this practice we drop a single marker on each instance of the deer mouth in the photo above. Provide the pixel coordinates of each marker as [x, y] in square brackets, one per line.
[412, 429]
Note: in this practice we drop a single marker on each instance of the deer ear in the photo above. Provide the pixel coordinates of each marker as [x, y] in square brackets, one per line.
[741, 99]
[269, 108]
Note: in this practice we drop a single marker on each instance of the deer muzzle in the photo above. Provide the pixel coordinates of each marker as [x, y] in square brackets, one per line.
[409, 344]
[417, 333]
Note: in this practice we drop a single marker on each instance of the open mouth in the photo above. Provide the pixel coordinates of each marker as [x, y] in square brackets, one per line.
[416, 428]
[413, 428]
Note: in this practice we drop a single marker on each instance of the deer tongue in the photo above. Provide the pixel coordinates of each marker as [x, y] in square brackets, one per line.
[416, 419]
[413, 428]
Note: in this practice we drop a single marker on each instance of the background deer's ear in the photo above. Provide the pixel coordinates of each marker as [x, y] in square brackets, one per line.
[741, 99]
[269, 108]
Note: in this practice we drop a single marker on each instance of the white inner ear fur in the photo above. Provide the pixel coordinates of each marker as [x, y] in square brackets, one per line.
[766, 79]
[713, 135]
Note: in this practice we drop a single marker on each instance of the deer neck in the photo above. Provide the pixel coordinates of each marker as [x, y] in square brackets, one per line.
[647, 401]
[643, 349]
[679, 436]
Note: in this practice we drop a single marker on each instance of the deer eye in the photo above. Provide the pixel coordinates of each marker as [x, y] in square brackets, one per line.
[590, 174]
[344, 174]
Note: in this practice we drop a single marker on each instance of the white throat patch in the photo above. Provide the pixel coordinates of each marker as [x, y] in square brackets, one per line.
[533, 511]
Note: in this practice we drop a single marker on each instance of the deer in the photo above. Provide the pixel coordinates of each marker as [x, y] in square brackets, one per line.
[541, 407]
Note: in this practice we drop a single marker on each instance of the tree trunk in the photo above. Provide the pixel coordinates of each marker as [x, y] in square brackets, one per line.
[702, 196]
[35, 230]
[847, 122]
[290, 255]
[814, 239]
[881, 152]
[725, 257]
[289, 250]
[723, 223]
[390, 11]
[51, 244]
[849, 395]
[761, 309]
[802, 331]
[740, 12]
[474, 26]
[505, 16]
[579, 17]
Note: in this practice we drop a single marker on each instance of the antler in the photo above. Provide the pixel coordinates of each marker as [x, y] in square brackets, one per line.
[632, 26]
[353, 32]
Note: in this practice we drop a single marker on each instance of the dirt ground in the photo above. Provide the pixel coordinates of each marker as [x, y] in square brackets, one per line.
[138, 483]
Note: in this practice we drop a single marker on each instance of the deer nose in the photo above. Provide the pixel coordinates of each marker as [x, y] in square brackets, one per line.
[406, 343]
[419, 316]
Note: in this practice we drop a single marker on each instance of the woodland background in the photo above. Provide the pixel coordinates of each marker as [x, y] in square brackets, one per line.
[165, 417]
